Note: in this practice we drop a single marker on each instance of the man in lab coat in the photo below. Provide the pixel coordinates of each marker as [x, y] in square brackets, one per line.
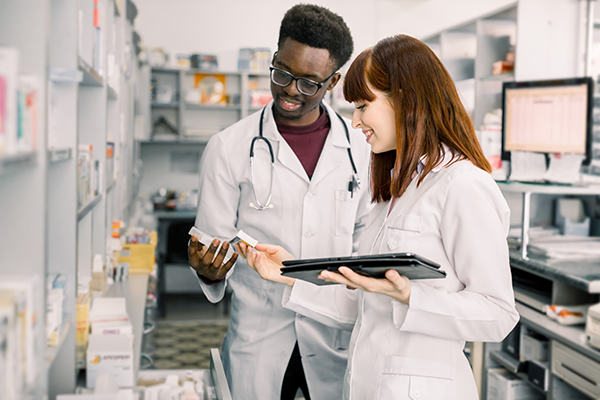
[316, 209]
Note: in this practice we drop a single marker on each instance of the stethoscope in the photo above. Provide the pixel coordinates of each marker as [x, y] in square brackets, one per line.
[353, 184]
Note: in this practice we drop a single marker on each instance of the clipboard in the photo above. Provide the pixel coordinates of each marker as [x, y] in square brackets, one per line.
[409, 265]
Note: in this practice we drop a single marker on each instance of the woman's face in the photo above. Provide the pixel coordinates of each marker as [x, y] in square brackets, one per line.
[377, 122]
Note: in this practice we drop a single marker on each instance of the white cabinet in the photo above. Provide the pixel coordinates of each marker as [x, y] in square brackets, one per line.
[469, 51]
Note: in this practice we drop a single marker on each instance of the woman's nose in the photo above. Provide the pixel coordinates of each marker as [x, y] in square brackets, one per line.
[356, 124]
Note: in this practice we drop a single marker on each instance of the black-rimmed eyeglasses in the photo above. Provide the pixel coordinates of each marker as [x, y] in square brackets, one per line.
[305, 86]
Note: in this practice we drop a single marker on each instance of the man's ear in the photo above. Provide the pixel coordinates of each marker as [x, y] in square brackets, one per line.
[334, 80]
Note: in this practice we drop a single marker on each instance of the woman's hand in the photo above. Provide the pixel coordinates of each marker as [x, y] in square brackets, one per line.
[394, 285]
[267, 261]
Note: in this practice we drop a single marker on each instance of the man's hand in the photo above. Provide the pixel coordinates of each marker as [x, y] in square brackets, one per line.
[203, 259]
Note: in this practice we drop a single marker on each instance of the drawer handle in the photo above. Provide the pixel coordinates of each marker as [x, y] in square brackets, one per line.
[578, 374]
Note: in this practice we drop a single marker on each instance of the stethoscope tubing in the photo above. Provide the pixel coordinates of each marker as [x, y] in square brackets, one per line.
[258, 206]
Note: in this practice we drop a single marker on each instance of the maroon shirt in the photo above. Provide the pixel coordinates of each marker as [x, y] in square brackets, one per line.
[307, 141]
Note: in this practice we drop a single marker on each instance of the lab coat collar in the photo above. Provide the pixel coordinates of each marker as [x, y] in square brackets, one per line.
[330, 157]
[447, 157]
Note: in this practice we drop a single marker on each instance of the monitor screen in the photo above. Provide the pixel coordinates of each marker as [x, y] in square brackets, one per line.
[552, 116]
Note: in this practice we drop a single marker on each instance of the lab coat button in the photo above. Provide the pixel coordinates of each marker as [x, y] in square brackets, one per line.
[417, 394]
[308, 234]
[392, 243]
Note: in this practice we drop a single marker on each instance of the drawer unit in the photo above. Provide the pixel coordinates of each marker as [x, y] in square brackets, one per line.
[576, 369]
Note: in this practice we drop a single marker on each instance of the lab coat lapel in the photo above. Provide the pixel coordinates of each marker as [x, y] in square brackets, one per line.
[335, 148]
[283, 151]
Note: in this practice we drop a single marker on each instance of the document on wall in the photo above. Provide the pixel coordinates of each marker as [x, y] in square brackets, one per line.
[527, 166]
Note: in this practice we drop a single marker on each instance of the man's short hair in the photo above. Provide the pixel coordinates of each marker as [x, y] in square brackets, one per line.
[320, 28]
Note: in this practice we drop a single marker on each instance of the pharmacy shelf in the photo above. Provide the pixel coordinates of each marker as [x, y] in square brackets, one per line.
[505, 77]
[212, 107]
[111, 185]
[135, 290]
[542, 188]
[90, 76]
[572, 336]
[178, 141]
[165, 70]
[513, 365]
[16, 162]
[60, 154]
[84, 210]
[506, 360]
[52, 351]
[165, 106]
[581, 274]
[111, 93]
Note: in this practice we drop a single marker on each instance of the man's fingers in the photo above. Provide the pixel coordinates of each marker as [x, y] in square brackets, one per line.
[227, 266]
[210, 252]
[221, 255]
[192, 249]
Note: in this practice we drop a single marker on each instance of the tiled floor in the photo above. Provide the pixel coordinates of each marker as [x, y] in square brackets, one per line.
[190, 322]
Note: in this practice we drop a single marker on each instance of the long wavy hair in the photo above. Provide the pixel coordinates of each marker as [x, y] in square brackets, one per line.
[428, 112]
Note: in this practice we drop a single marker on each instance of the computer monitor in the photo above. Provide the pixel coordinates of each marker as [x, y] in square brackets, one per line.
[553, 116]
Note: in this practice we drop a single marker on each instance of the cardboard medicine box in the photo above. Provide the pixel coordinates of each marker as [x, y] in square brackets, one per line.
[112, 355]
[502, 385]
[141, 257]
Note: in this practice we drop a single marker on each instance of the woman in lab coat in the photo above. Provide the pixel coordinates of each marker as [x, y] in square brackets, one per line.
[434, 197]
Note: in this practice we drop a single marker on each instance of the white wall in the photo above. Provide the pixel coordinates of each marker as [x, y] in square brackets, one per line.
[222, 27]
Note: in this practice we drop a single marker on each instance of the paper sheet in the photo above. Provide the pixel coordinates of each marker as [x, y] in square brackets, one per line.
[564, 168]
[527, 166]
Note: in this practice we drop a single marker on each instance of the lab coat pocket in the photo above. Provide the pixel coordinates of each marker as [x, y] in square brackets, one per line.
[416, 379]
[249, 313]
[346, 206]
[404, 233]
[342, 340]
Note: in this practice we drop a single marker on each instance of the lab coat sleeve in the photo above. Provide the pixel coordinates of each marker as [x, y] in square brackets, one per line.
[474, 226]
[331, 305]
[218, 197]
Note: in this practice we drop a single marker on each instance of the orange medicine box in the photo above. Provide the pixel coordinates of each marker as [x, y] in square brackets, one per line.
[141, 257]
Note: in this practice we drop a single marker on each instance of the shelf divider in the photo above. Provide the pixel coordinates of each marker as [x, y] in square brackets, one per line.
[15, 162]
[83, 211]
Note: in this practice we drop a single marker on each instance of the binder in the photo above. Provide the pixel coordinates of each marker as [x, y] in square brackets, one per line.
[409, 265]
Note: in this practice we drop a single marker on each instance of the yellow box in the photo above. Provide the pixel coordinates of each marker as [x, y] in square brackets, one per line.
[141, 257]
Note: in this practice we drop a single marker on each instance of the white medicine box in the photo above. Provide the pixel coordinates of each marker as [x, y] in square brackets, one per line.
[112, 355]
[502, 385]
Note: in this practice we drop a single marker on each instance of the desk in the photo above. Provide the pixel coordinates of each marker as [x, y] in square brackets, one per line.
[164, 221]
[567, 282]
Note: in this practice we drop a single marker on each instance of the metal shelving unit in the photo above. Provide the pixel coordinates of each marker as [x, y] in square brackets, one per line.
[16, 162]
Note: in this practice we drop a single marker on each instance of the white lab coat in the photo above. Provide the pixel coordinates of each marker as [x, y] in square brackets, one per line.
[458, 218]
[310, 218]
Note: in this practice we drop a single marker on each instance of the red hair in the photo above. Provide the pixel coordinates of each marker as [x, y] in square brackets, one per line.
[428, 112]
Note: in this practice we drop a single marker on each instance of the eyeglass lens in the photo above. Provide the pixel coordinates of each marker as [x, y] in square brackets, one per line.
[304, 86]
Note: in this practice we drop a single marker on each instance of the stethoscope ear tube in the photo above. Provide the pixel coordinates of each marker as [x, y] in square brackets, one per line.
[354, 183]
